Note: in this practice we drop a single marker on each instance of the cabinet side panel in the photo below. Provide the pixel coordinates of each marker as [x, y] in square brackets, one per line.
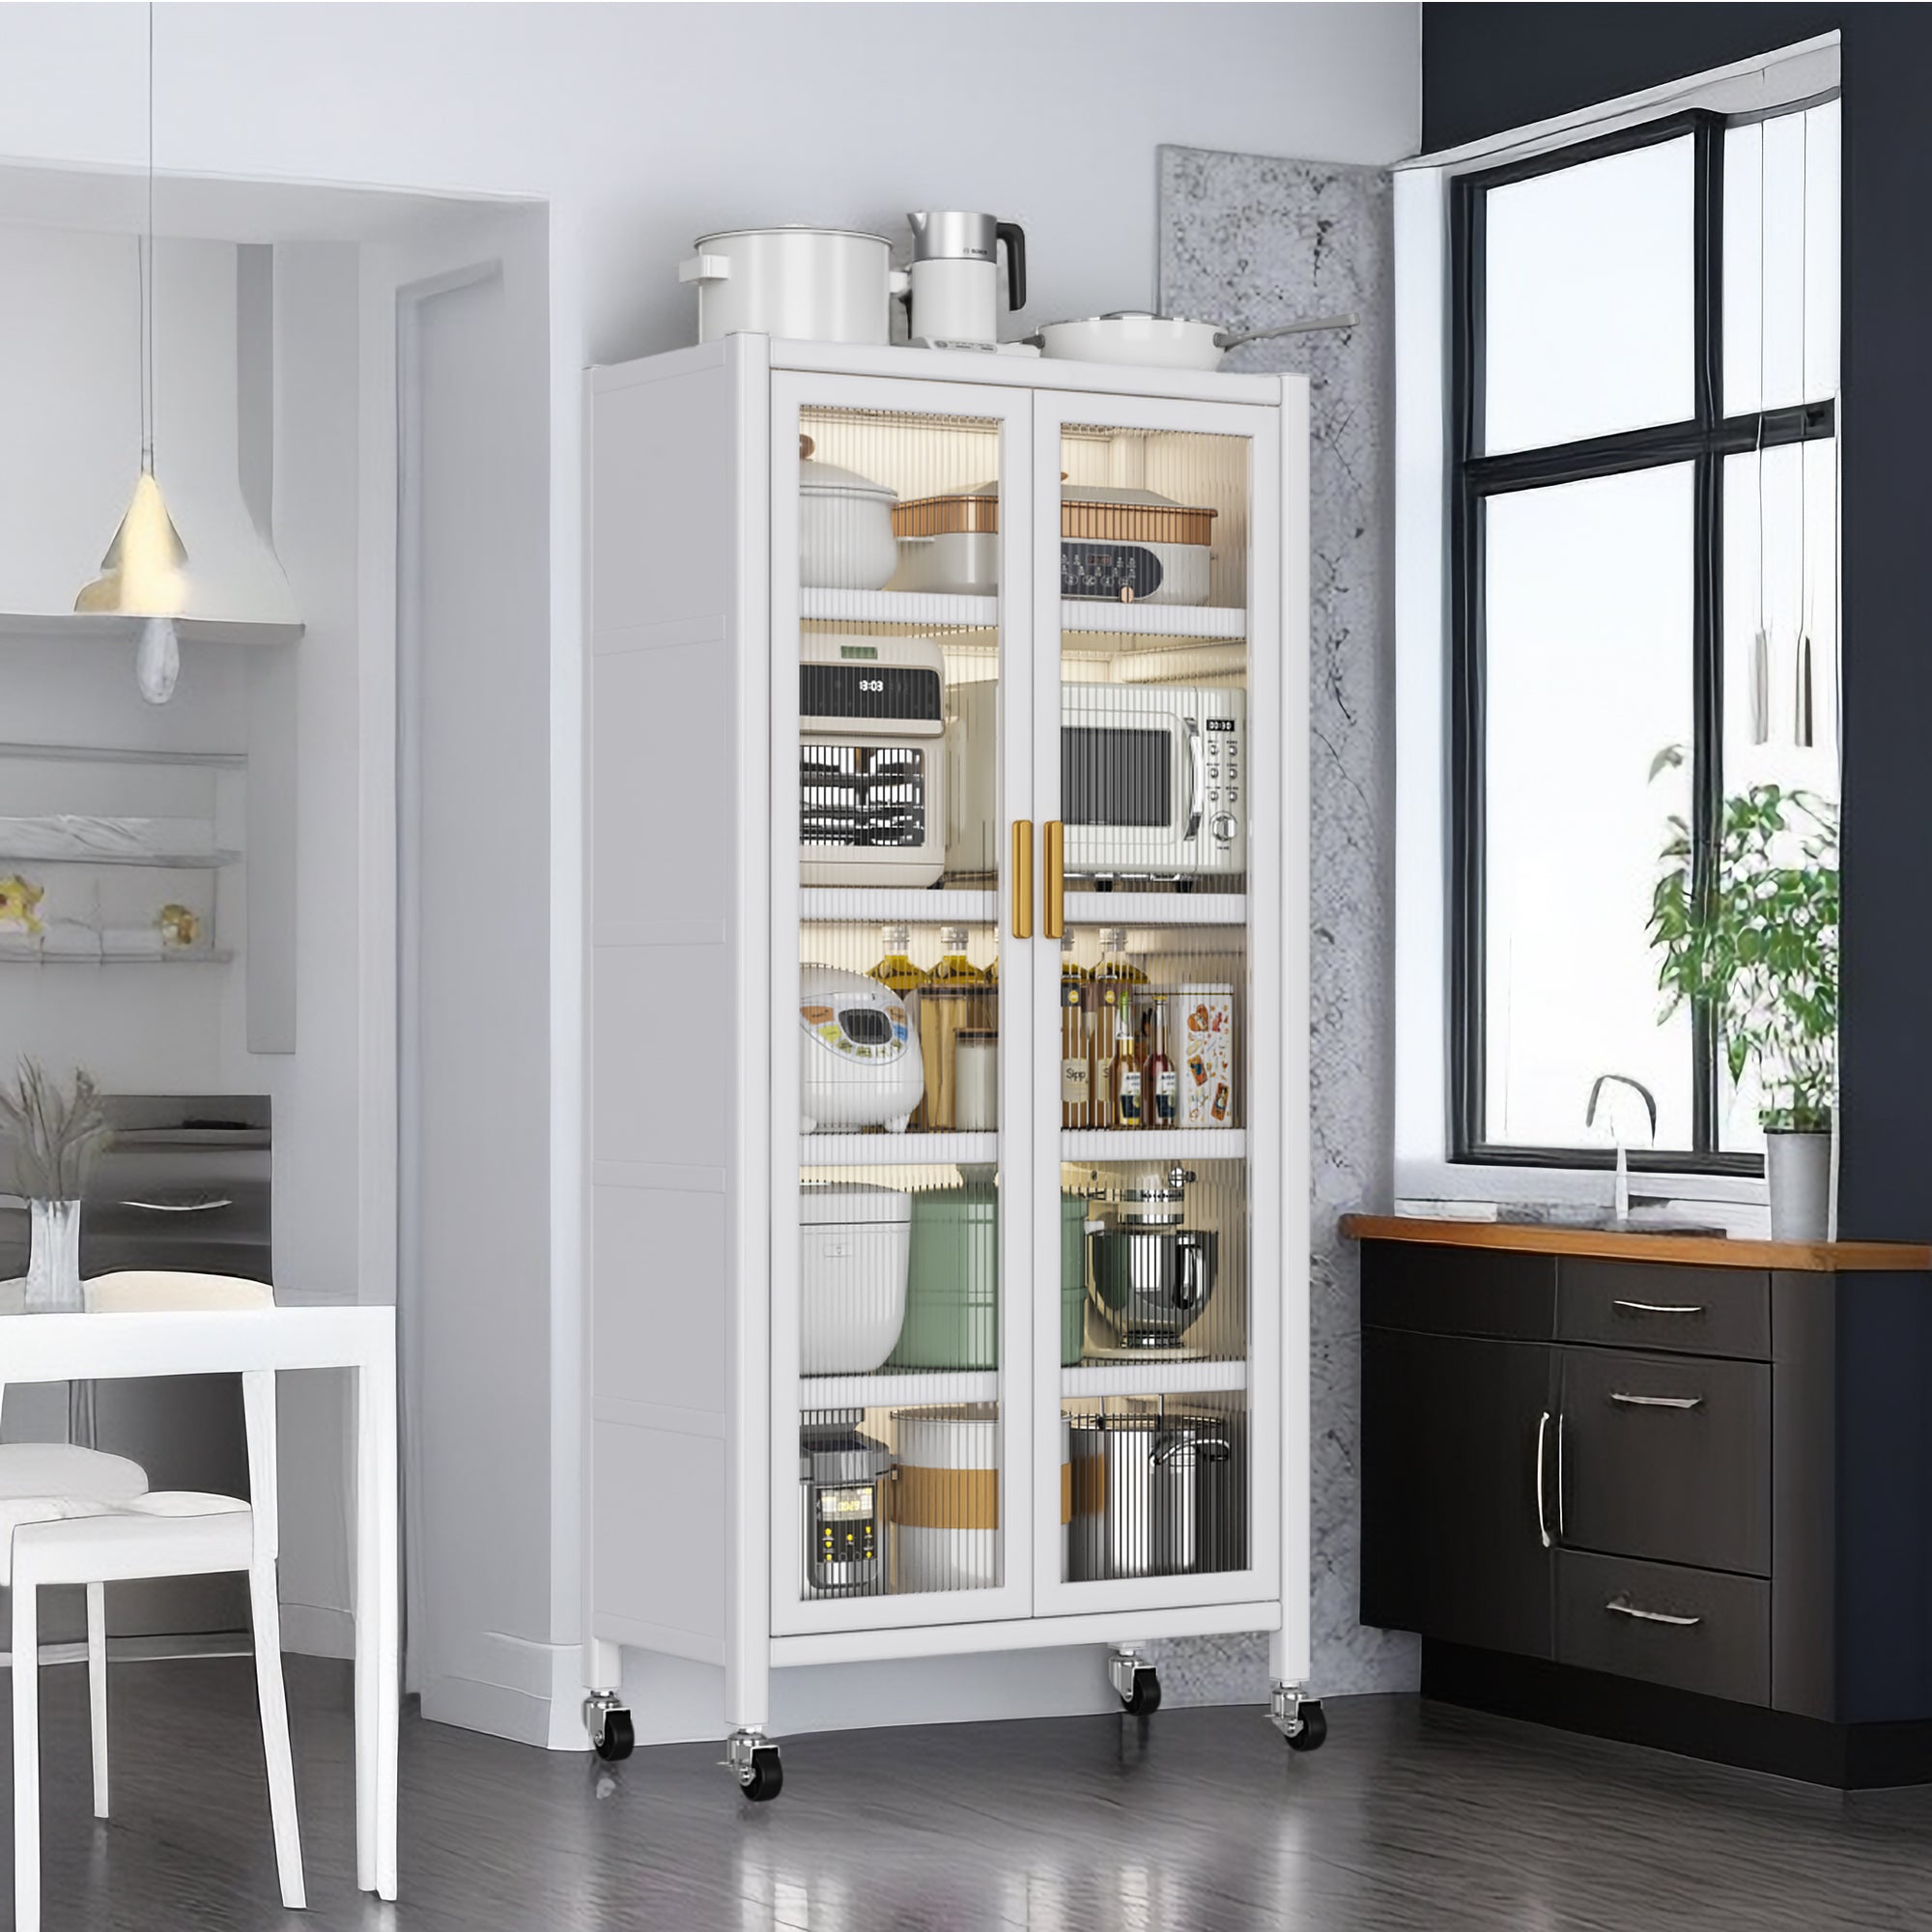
[664, 1031]
[1804, 1493]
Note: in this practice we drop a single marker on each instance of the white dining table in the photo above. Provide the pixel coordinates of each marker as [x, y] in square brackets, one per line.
[231, 1340]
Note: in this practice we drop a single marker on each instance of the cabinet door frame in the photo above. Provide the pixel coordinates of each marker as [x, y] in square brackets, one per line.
[1277, 1074]
[792, 1613]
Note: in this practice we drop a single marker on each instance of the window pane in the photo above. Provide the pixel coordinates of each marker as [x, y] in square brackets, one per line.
[1588, 676]
[1781, 507]
[1781, 261]
[1588, 299]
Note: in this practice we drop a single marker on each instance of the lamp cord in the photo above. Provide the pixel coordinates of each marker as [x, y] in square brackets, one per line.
[145, 258]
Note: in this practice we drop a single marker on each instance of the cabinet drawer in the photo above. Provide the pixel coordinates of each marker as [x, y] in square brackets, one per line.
[1667, 1458]
[1695, 1630]
[1699, 1310]
[1445, 1290]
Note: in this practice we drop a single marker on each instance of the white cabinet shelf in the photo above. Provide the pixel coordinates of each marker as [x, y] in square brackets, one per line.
[933, 611]
[1152, 1376]
[907, 1149]
[1091, 909]
[891, 905]
[898, 1388]
[1154, 1143]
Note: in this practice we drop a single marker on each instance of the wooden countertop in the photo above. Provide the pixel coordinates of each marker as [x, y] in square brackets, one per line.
[1680, 1250]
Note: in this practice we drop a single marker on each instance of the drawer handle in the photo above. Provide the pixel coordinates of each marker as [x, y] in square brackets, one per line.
[178, 1206]
[1630, 1400]
[1542, 1523]
[1661, 1307]
[1618, 1607]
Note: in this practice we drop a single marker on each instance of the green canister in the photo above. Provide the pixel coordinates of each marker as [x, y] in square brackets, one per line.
[952, 1286]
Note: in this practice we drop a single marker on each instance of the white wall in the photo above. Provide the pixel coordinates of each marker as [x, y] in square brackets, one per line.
[644, 125]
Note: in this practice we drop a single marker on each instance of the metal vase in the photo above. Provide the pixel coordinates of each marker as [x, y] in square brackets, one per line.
[1798, 1167]
[53, 1258]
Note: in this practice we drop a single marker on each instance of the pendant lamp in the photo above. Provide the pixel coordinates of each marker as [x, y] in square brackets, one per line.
[143, 572]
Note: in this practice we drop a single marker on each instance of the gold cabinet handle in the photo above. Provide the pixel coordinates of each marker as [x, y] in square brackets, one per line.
[1022, 878]
[1055, 921]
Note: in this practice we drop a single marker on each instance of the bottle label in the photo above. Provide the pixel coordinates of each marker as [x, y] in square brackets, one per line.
[1166, 1099]
[1130, 1100]
[1076, 1082]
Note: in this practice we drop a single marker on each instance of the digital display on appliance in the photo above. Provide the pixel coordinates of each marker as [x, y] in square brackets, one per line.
[1220, 724]
[865, 1026]
[846, 1502]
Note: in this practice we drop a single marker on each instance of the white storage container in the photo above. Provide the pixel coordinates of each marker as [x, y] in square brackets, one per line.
[946, 1498]
[853, 1245]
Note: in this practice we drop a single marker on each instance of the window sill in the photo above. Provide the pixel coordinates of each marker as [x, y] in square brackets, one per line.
[1736, 1202]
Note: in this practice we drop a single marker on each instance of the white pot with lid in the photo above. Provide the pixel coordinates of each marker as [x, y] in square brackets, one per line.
[855, 1243]
[808, 284]
[846, 539]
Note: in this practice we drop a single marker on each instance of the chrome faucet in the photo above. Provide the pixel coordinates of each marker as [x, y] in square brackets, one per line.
[1603, 1080]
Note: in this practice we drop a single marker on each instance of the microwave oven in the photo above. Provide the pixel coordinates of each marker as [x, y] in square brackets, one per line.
[871, 762]
[1152, 780]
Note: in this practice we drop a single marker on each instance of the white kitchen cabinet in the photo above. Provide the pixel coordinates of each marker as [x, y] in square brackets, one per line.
[815, 749]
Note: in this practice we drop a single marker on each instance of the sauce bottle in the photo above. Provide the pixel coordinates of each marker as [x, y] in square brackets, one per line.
[1124, 1078]
[954, 969]
[1076, 1049]
[1161, 1080]
[896, 970]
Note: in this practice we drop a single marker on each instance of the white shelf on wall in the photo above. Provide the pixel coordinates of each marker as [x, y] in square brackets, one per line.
[1091, 909]
[167, 862]
[15, 952]
[939, 612]
[909, 1149]
[1152, 1376]
[1152, 1144]
[125, 754]
[898, 1388]
[104, 627]
[896, 906]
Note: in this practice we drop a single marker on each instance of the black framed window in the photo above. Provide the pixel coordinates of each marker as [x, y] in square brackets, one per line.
[1643, 597]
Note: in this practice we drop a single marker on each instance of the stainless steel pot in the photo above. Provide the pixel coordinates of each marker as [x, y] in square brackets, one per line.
[1151, 1284]
[1154, 1496]
[809, 284]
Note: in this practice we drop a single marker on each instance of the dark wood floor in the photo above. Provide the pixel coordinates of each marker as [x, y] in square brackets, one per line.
[1409, 1818]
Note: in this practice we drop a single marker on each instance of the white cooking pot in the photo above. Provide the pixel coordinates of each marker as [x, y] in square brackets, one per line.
[809, 284]
[846, 539]
[1158, 341]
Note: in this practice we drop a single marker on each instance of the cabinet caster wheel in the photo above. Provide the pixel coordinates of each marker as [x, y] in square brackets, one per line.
[1143, 1699]
[617, 1738]
[764, 1778]
[1312, 1732]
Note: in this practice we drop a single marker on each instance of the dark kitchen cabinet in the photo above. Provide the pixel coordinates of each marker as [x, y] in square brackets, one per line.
[1618, 1490]
[1454, 1427]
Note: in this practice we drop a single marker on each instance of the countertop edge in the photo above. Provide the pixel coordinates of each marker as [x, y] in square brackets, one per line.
[1682, 1250]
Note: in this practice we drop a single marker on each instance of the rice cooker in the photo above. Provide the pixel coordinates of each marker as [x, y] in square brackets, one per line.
[1135, 545]
[847, 1477]
[854, 1244]
[859, 1063]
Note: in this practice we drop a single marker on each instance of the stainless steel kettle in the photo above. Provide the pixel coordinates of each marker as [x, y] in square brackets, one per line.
[956, 276]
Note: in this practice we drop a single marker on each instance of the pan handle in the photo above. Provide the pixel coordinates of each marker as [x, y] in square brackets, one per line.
[1321, 325]
[1209, 1449]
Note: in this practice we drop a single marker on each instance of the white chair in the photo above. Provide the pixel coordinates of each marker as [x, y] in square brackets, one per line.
[68, 1539]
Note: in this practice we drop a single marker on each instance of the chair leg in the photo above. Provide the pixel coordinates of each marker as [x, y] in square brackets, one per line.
[96, 1690]
[26, 1675]
[267, 1612]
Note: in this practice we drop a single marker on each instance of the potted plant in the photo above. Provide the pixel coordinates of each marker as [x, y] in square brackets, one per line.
[1757, 943]
[56, 1135]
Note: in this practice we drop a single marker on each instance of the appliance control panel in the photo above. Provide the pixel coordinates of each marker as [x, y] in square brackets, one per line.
[1224, 777]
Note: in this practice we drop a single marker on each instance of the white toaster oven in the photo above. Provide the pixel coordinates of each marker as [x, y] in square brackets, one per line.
[1152, 780]
[871, 762]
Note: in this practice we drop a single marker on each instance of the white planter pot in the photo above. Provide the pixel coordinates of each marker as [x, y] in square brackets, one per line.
[1798, 1167]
